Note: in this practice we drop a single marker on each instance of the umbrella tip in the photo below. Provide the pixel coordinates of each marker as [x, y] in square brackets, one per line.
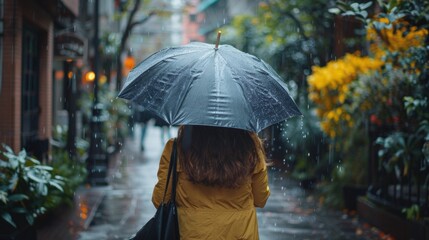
[218, 39]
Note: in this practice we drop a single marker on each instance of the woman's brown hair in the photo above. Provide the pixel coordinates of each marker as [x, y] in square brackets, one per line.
[217, 156]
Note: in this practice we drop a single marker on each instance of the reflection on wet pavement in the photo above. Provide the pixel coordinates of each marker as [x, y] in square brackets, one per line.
[293, 213]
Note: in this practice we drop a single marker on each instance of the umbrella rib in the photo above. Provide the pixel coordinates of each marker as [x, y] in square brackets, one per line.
[241, 87]
[182, 99]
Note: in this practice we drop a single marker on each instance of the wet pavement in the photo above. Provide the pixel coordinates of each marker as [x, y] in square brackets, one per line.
[120, 209]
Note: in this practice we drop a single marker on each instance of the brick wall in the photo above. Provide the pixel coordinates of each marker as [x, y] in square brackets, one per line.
[10, 102]
[16, 13]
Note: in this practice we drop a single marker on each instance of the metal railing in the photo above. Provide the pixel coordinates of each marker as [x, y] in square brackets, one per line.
[399, 188]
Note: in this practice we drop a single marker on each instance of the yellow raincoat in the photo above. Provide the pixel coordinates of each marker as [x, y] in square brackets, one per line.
[213, 212]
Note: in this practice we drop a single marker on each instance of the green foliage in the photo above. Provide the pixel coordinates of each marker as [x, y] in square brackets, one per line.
[295, 35]
[396, 152]
[116, 113]
[357, 10]
[27, 187]
[291, 36]
[59, 140]
[73, 170]
[399, 150]
[395, 99]
[116, 125]
[331, 190]
[412, 213]
[406, 144]
[110, 45]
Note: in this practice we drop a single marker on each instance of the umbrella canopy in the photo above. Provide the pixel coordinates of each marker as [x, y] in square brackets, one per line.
[199, 84]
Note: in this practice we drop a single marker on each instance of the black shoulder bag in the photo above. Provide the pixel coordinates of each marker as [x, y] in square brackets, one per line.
[164, 225]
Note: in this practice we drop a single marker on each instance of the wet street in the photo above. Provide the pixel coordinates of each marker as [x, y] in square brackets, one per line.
[125, 205]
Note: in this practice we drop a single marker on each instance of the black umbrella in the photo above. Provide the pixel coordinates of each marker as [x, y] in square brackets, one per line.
[202, 84]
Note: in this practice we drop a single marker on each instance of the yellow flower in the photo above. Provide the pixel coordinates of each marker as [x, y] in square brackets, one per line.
[394, 39]
[329, 88]
[329, 85]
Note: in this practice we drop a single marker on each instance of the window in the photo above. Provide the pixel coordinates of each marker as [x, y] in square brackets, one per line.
[30, 85]
[193, 17]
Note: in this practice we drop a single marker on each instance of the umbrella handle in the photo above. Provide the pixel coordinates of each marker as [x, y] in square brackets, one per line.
[218, 39]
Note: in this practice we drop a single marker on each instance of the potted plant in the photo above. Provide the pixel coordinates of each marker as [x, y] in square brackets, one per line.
[27, 190]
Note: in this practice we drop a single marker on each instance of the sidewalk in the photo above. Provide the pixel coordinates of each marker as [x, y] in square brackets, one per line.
[120, 209]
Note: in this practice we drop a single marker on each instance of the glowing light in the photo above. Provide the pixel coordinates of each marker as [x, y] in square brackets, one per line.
[89, 76]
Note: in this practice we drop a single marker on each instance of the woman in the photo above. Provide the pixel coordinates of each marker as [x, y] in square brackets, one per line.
[222, 177]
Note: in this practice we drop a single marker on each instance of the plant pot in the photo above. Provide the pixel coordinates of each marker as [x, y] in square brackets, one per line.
[351, 194]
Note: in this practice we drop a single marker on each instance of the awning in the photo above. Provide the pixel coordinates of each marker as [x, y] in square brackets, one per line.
[205, 4]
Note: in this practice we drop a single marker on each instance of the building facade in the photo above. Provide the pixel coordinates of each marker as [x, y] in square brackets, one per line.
[27, 56]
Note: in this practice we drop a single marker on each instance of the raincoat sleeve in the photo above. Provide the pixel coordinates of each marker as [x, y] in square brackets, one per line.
[158, 191]
[260, 188]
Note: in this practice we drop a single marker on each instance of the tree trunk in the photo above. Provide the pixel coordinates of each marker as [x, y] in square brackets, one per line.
[123, 42]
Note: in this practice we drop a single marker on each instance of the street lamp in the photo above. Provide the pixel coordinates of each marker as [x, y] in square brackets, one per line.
[97, 158]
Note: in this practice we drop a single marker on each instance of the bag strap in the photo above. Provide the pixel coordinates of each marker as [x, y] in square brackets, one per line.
[172, 169]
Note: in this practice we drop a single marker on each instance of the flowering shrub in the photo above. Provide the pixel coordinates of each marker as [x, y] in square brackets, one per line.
[329, 88]
[345, 88]
[390, 102]
[385, 36]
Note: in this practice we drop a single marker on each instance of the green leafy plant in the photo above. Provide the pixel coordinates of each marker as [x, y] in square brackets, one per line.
[116, 126]
[115, 113]
[412, 213]
[27, 187]
[72, 169]
[59, 141]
